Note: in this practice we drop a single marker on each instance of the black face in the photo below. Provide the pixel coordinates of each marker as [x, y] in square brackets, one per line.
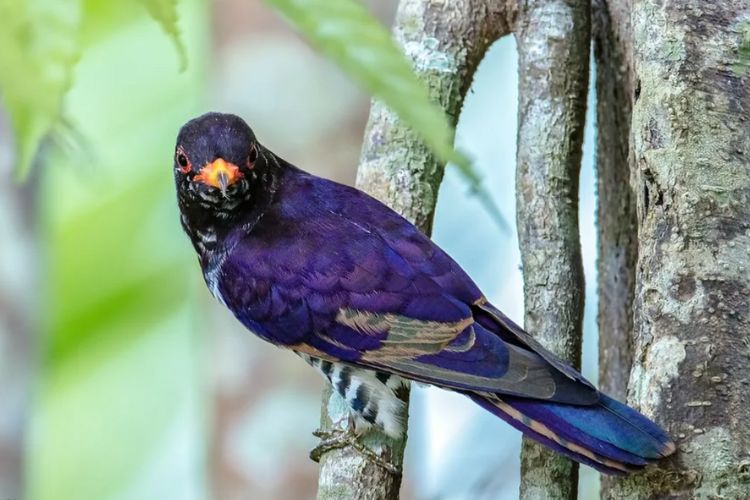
[216, 163]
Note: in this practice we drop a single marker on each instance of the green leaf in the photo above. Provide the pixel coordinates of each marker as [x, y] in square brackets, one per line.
[39, 49]
[347, 33]
[118, 318]
[165, 13]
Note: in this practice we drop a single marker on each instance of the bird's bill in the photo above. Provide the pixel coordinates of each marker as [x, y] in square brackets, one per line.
[219, 174]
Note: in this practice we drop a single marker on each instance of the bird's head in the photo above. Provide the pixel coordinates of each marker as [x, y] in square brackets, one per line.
[218, 163]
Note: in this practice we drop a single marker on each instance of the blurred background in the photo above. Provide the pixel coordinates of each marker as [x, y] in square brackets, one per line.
[120, 377]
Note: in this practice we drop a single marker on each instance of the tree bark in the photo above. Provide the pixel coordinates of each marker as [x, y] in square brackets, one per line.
[691, 143]
[445, 42]
[616, 220]
[19, 245]
[553, 47]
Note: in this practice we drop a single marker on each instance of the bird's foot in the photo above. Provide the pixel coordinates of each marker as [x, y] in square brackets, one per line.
[348, 437]
[340, 435]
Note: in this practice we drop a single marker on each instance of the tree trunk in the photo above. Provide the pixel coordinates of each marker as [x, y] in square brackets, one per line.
[553, 47]
[18, 298]
[445, 42]
[691, 143]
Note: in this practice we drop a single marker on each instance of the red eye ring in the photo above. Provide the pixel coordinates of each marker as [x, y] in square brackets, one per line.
[183, 162]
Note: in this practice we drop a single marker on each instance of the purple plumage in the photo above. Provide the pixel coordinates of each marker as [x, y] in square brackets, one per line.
[368, 300]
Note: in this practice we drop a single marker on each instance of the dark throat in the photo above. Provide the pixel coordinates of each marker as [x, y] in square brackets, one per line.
[212, 230]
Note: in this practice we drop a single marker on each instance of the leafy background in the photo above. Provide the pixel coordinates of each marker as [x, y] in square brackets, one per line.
[142, 386]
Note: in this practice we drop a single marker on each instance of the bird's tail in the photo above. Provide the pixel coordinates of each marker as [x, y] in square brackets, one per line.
[608, 436]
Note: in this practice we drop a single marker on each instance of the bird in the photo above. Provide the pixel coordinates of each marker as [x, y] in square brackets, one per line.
[370, 302]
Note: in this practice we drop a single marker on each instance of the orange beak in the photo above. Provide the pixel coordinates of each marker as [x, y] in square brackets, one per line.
[219, 174]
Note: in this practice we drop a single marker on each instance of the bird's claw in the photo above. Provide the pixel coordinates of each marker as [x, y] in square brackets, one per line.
[339, 435]
[348, 437]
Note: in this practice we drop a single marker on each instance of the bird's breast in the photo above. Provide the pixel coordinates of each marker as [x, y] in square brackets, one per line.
[212, 275]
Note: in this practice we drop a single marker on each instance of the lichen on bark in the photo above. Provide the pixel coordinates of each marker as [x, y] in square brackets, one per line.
[691, 143]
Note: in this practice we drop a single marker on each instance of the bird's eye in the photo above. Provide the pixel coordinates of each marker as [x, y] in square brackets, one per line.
[183, 162]
[253, 156]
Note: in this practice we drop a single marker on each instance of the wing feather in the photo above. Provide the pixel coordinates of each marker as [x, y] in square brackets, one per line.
[377, 293]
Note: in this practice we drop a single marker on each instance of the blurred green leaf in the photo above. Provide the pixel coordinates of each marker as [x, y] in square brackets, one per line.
[39, 49]
[116, 413]
[165, 13]
[347, 33]
[102, 19]
[137, 290]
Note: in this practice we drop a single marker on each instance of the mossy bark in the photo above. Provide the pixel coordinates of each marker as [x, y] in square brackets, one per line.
[691, 147]
[445, 42]
[553, 47]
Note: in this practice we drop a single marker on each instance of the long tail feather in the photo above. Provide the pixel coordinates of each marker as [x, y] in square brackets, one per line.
[609, 436]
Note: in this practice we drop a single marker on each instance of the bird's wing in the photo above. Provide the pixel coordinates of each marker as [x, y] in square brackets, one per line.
[383, 296]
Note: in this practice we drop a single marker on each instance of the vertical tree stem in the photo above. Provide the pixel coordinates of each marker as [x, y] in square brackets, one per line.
[691, 145]
[445, 42]
[553, 47]
[616, 220]
[19, 248]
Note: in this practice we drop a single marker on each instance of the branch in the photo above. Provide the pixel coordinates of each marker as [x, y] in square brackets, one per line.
[553, 47]
[616, 204]
[445, 42]
[616, 220]
[18, 313]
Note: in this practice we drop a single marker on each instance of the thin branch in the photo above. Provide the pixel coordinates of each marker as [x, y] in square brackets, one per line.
[445, 42]
[616, 218]
[553, 47]
[18, 300]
